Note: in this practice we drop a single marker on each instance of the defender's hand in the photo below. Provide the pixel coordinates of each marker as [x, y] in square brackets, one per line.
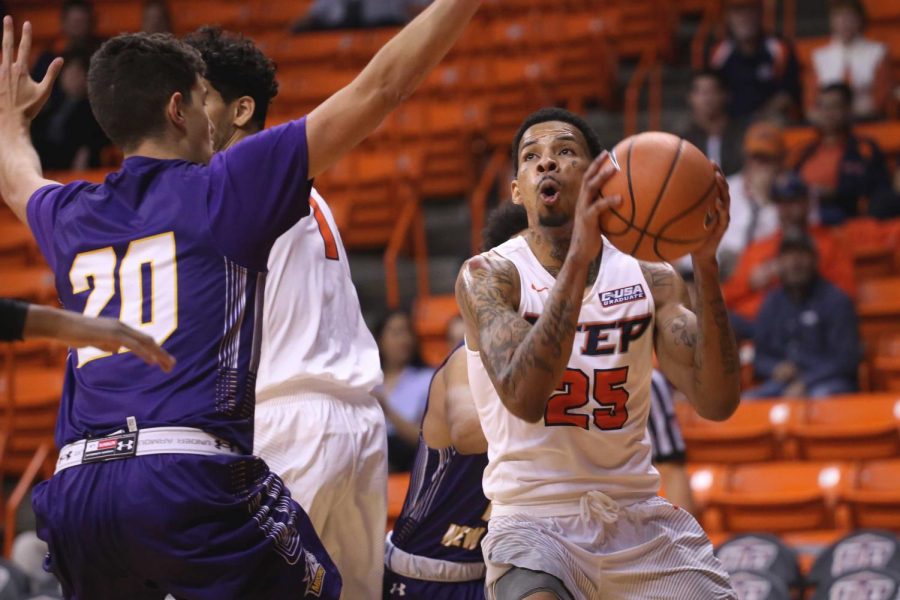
[111, 335]
[21, 98]
[707, 252]
[586, 234]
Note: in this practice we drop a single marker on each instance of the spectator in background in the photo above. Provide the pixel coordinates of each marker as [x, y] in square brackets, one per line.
[66, 135]
[753, 215]
[405, 391]
[77, 25]
[757, 272]
[841, 168]
[340, 14]
[850, 58]
[711, 129]
[761, 70]
[806, 338]
[155, 17]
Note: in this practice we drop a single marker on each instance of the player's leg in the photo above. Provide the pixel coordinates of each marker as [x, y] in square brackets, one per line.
[337, 471]
[655, 550]
[536, 556]
[525, 584]
[356, 526]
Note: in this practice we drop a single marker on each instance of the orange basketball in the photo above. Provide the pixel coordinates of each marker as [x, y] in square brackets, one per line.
[668, 190]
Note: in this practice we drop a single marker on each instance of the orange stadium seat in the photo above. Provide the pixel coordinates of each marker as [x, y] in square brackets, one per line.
[276, 14]
[885, 373]
[32, 283]
[780, 496]
[874, 499]
[304, 89]
[17, 245]
[431, 314]
[367, 190]
[873, 245]
[878, 307]
[228, 14]
[883, 11]
[119, 17]
[335, 48]
[752, 434]
[855, 427]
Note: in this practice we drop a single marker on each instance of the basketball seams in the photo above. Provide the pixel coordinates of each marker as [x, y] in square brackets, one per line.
[630, 184]
[659, 196]
[693, 206]
[661, 237]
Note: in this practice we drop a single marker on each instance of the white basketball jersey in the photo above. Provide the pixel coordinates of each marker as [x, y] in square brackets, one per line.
[594, 432]
[314, 335]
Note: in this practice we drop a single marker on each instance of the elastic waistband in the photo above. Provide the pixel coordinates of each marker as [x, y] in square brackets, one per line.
[595, 502]
[429, 569]
[143, 442]
[288, 397]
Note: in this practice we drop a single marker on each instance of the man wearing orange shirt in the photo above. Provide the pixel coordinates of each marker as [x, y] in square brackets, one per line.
[841, 168]
[757, 270]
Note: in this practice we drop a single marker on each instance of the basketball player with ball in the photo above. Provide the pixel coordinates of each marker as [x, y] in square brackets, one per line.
[561, 329]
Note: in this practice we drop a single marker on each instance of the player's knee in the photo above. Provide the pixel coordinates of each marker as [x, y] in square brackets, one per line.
[525, 584]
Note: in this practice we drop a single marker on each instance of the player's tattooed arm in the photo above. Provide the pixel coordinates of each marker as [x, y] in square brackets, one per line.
[21, 99]
[697, 348]
[525, 362]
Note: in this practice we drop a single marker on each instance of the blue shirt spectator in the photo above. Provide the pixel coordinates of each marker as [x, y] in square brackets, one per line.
[806, 339]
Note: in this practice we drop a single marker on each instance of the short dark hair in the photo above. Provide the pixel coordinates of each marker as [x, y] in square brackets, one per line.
[78, 54]
[236, 67]
[711, 74]
[841, 88]
[131, 78]
[416, 358]
[503, 223]
[545, 115]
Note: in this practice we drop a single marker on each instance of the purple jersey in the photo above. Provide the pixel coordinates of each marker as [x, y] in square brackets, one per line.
[444, 515]
[177, 250]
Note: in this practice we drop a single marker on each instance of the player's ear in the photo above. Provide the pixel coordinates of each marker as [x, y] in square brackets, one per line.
[514, 191]
[244, 108]
[175, 111]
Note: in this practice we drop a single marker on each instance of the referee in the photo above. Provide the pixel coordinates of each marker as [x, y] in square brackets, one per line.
[20, 320]
[667, 443]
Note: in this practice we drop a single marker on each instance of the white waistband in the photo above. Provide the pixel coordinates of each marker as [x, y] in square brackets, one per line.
[292, 395]
[429, 569]
[592, 504]
[155, 440]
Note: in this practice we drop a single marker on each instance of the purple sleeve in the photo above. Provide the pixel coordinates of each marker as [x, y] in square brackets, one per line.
[42, 210]
[259, 189]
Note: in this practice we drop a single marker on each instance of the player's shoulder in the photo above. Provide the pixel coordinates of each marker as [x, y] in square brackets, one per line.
[663, 280]
[488, 277]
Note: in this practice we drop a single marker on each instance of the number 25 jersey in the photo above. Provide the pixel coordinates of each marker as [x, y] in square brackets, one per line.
[593, 435]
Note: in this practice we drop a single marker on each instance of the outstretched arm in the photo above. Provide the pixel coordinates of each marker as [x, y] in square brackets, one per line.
[525, 362]
[345, 119]
[21, 99]
[697, 350]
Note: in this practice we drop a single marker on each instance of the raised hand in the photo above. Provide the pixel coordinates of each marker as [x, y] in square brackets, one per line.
[723, 217]
[21, 98]
[586, 234]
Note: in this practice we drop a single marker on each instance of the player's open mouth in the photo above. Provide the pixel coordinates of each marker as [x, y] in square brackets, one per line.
[549, 191]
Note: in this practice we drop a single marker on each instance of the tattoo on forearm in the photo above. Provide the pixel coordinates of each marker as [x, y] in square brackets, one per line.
[504, 336]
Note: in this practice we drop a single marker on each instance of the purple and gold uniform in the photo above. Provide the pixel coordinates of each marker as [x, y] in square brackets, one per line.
[177, 250]
[434, 551]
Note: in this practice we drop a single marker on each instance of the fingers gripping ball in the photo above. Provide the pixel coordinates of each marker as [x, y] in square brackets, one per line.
[668, 190]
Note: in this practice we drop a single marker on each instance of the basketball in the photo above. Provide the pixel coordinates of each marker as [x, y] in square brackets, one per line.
[668, 190]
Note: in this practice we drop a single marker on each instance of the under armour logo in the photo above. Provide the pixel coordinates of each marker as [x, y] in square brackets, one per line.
[220, 444]
[125, 445]
[398, 589]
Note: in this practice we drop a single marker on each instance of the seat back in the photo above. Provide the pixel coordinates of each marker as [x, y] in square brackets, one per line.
[751, 434]
[865, 549]
[874, 499]
[855, 427]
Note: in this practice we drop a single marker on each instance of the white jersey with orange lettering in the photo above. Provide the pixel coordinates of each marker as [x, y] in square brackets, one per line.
[574, 495]
[317, 424]
[594, 432]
